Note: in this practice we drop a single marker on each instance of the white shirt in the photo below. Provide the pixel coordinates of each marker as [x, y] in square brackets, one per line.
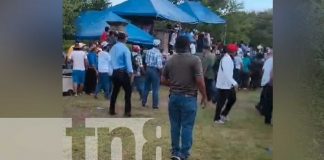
[173, 39]
[240, 52]
[105, 63]
[78, 58]
[267, 68]
[225, 78]
[238, 62]
[193, 48]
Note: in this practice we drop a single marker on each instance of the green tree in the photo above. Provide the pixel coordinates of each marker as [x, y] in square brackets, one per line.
[262, 28]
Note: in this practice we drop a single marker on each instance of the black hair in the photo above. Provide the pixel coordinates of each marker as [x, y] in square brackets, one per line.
[106, 29]
[182, 44]
[121, 36]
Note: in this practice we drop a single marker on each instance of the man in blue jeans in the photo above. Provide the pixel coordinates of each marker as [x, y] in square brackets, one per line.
[153, 59]
[184, 75]
[105, 71]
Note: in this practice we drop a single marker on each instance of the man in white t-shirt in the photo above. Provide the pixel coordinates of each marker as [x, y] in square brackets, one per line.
[226, 85]
[79, 59]
[238, 62]
[172, 41]
[266, 83]
[193, 48]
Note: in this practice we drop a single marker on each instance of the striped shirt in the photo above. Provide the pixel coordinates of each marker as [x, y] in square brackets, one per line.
[154, 58]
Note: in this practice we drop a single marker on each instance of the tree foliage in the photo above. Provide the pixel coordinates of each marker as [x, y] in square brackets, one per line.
[250, 27]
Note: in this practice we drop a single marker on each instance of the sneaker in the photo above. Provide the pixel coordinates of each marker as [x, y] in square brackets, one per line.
[224, 118]
[112, 113]
[155, 108]
[75, 94]
[175, 158]
[127, 115]
[219, 122]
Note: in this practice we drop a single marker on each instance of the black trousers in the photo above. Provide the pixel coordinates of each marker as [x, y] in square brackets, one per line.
[261, 103]
[223, 95]
[210, 91]
[244, 79]
[90, 81]
[267, 103]
[120, 78]
[255, 80]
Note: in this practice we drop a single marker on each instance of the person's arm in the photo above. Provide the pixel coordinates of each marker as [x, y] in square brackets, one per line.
[129, 65]
[86, 64]
[202, 89]
[227, 69]
[110, 71]
[165, 81]
[159, 62]
[165, 75]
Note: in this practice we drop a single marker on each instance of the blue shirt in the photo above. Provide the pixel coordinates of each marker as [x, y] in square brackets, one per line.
[154, 58]
[92, 59]
[121, 57]
[246, 64]
[104, 63]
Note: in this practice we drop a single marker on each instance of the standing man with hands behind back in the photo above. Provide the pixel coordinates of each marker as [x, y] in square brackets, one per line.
[226, 85]
[122, 73]
[184, 75]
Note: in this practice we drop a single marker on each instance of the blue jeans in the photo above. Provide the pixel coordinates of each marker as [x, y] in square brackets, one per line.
[152, 80]
[139, 82]
[182, 115]
[105, 84]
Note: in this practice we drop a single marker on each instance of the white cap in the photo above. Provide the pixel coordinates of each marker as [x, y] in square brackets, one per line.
[104, 44]
[156, 42]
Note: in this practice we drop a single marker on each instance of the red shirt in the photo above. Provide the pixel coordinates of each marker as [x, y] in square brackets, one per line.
[104, 37]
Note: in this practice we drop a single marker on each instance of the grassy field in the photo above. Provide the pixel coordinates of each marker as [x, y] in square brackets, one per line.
[245, 137]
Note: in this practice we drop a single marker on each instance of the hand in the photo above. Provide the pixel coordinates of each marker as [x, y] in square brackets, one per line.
[236, 88]
[203, 102]
[131, 78]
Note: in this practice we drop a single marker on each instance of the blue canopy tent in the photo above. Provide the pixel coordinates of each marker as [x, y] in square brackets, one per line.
[157, 9]
[201, 13]
[91, 24]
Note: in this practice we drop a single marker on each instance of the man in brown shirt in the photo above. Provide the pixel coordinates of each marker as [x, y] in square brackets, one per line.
[183, 73]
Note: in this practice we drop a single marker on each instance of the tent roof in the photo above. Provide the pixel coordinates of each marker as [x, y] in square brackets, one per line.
[160, 9]
[91, 24]
[200, 12]
[112, 17]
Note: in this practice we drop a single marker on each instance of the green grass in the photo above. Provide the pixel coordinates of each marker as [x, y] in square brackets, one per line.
[245, 137]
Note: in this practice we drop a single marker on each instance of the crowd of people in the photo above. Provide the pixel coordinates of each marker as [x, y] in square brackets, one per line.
[193, 63]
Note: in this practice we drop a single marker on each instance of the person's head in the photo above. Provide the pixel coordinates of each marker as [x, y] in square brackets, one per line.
[156, 43]
[182, 44]
[92, 45]
[104, 46]
[77, 46]
[106, 29]
[231, 49]
[136, 48]
[122, 37]
[111, 33]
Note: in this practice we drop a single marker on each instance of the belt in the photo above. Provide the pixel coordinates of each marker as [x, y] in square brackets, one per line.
[185, 95]
[120, 70]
